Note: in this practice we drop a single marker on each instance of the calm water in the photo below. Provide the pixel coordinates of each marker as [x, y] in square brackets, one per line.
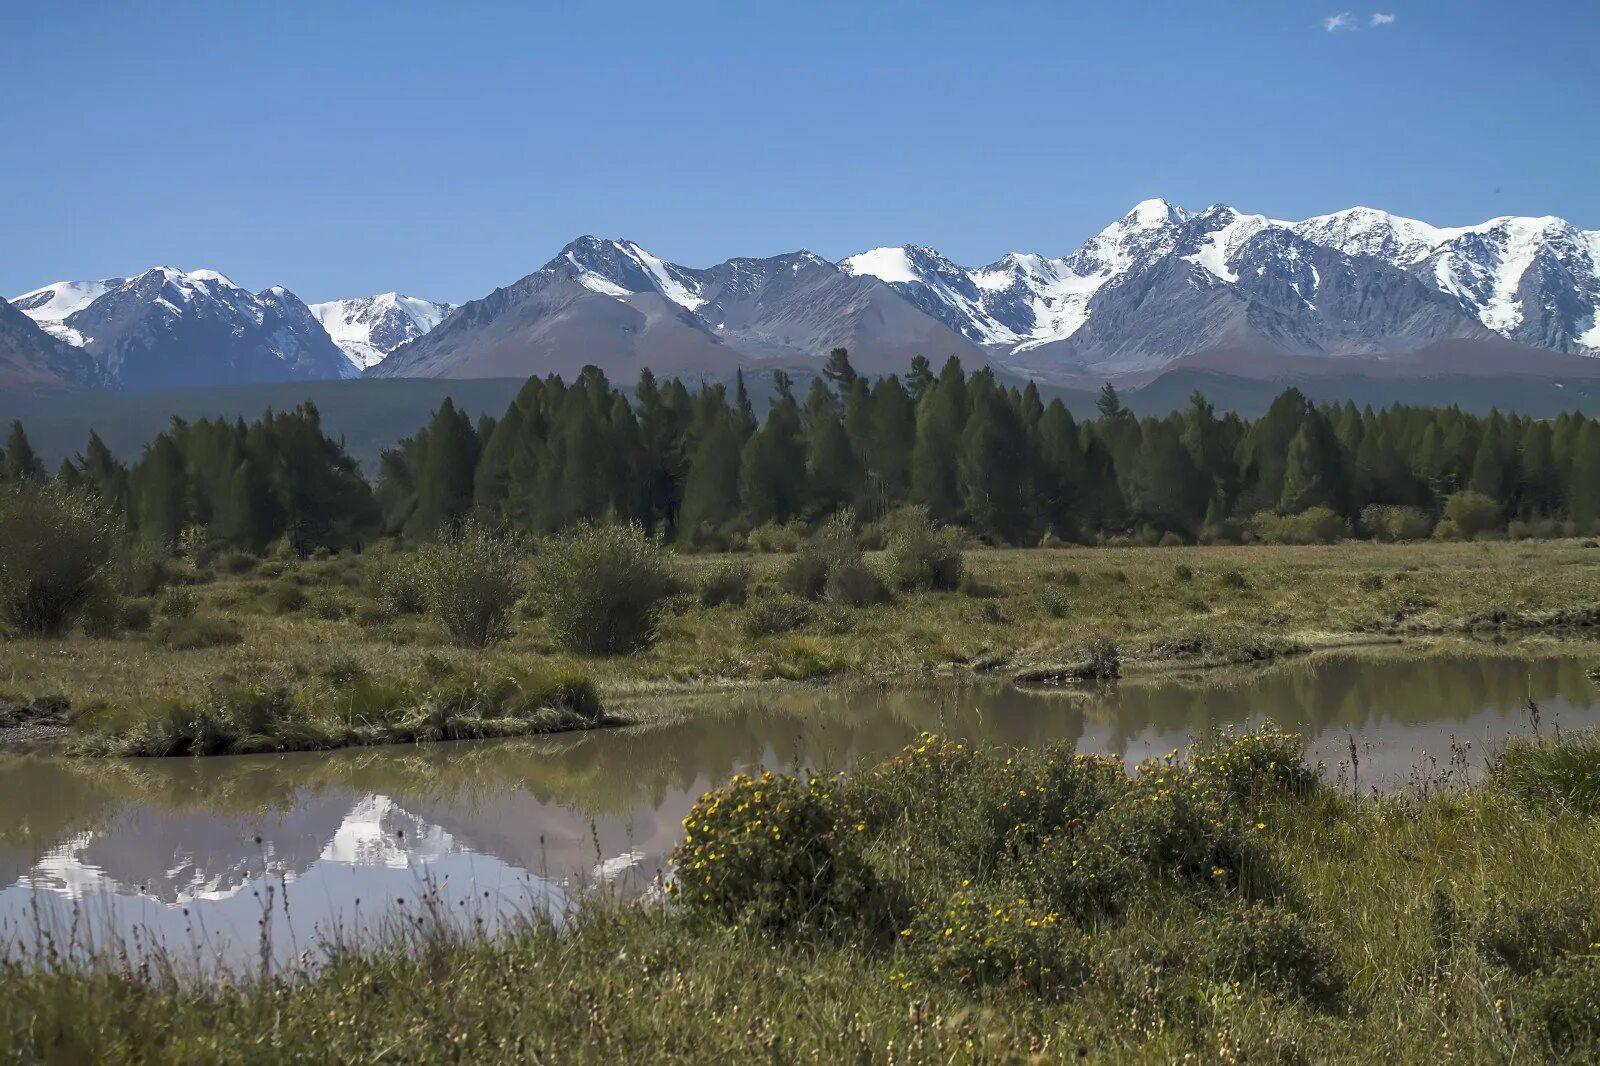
[194, 852]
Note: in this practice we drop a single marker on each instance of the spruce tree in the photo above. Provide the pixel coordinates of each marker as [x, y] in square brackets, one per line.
[20, 461]
[444, 478]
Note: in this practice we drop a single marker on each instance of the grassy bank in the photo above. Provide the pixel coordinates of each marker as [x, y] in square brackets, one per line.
[957, 904]
[307, 627]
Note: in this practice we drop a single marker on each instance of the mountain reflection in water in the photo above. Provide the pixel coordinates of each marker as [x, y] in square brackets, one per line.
[184, 851]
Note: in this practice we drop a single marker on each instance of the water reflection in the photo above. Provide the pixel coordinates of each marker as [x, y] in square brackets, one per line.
[187, 850]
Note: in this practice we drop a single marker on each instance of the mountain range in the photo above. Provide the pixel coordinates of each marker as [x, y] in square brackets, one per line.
[1361, 290]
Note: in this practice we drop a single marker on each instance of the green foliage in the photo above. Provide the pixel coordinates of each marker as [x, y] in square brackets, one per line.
[471, 578]
[1278, 951]
[830, 565]
[771, 616]
[195, 632]
[602, 588]
[777, 854]
[395, 583]
[1468, 515]
[1317, 525]
[1255, 762]
[727, 582]
[1565, 771]
[1178, 825]
[922, 554]
[1526, 939]
[1561, 1010]
[177, 603]
[286, 598]
[981, 938]
[55, 556]
[1391, 523]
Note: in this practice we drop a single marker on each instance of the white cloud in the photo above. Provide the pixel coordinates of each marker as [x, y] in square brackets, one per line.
[1380, 19]
[1342, 21]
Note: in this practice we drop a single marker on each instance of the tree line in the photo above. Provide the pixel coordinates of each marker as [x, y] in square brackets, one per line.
[704, 471]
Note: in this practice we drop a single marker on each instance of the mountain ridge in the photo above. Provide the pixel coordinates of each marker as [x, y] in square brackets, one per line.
[1160, 284]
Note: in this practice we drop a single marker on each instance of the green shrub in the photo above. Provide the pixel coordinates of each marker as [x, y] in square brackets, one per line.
[55, 556]
[238, 563]
[286, 598]
[771, 538]
[979, 590]
[1255, 762]
[770, 616]
[1056, 604]
[726, 582]
[989, 938]
[1066, 578]
[854, 584]
[1233, 579]
[602, 588]
[178, 603]
[1530, 938]
[1561, 1009]
[1315, 525]
[1178, 825]
[141, 568]
[1170, 539]
[1275, 950]
[1468, 515]
[395, 584]
[471, 578]
[1183, 572]
[195, 632]
[832, 547]
[921, 554]
[1382, 522]
[777, 854]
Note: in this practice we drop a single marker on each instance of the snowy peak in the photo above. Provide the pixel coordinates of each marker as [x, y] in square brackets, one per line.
[168, 327]
[368, 328]
[622, 268]
[53, 304]
[1366, 231]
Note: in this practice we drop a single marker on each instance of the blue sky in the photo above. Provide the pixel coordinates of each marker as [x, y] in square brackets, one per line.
[444, 149]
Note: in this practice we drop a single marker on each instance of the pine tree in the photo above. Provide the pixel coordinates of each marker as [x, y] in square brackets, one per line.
[444, 478]
[941, 416]
[711, 493]
[772, 469]
[1313, 471]
[20, 461]
[1165, 486]
[993, 458]
[161, 491]
[838, 369]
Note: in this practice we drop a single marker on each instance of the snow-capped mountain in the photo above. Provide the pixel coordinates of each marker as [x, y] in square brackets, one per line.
[1159, 284]
[368, 328]
[170, 328]
[1162, 283]
[31, 357]
[615, 305]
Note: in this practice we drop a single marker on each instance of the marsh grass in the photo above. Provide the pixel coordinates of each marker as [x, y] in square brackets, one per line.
[352, 710]
[1341, 927]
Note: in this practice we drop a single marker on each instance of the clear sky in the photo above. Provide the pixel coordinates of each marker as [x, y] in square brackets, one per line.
[443, 149]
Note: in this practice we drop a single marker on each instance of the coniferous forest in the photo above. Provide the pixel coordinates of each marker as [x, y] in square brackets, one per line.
[704, 471]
